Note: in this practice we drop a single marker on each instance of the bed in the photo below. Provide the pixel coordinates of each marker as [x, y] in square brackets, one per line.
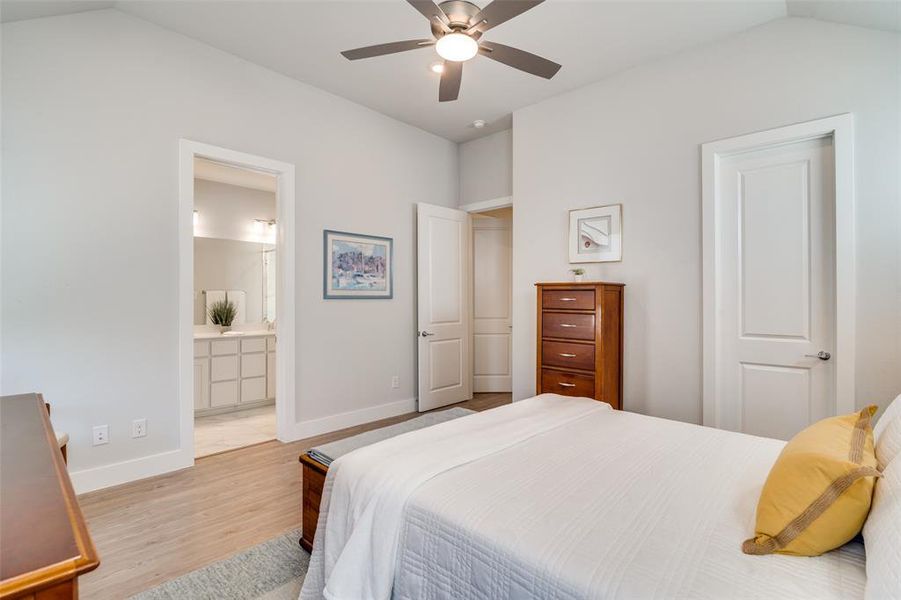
[555, 497]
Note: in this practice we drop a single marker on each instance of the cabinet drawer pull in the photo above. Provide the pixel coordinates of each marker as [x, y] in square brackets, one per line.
[562, 384]
[567, 299]
[567, 355]
[567, 325]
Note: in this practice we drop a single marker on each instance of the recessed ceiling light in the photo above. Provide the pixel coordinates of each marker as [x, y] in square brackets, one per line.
[478, 123]
[436, 67]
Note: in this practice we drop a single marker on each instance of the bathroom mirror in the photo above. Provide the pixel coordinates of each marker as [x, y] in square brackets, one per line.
[222, 265]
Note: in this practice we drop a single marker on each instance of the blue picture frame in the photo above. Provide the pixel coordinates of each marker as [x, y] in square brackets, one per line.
[356, 266]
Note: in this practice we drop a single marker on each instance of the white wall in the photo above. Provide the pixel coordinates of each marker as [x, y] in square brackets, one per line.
[486, 170]
[94, 105]
[228, 211]
[635, 139]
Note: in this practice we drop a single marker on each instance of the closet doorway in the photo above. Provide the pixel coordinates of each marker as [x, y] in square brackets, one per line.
[492, 320]
[236, 282]
[464, 307]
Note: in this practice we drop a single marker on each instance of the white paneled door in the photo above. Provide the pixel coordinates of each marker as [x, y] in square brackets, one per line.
[444, 326]
[492, 272]
[775, 284]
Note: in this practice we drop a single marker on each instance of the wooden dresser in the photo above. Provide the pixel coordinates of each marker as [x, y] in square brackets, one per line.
[580, 340]
[44, 544]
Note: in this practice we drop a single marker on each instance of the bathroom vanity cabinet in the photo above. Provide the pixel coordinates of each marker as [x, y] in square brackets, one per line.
[232, 373]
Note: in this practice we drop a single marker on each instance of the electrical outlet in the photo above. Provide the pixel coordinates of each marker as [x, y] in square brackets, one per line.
[138, 428]
[101, 435]
[395, 382]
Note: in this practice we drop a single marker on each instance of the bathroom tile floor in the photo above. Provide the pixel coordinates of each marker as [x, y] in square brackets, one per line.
[227, 431]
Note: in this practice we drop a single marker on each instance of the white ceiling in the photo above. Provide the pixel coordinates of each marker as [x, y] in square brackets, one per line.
[591, 39]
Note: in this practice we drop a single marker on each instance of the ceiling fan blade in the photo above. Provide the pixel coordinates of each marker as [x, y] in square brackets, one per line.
[449, 88]
[501, 11]
[381, 49]
[519, 59]
[430, 11]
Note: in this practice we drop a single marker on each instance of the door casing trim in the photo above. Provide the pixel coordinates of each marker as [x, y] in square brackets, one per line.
[285, 379]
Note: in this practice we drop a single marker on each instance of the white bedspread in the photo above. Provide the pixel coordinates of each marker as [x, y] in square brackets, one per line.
[615, 505]
[366, 491]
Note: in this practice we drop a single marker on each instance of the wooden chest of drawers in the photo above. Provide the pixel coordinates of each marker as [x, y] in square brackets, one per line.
[580, 340]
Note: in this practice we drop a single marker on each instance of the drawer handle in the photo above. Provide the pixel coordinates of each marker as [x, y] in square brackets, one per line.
[567, 299]
[566, 325]
[567, 355]
[562, 384]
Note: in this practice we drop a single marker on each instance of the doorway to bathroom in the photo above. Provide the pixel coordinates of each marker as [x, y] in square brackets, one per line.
[236, 299]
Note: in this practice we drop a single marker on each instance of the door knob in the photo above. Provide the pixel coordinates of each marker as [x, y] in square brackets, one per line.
[426, 333]
[822, 355]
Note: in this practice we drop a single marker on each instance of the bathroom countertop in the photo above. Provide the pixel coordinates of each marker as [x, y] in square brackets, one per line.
[243, 334]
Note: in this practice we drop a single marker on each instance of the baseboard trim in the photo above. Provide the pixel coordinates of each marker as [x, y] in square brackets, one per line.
[313, 427]
[104, 476]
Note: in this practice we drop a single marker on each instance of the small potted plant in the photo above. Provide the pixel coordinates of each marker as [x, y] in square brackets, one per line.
[577, 274]
[222, 313]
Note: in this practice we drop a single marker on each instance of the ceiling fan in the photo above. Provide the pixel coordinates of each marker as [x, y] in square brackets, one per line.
[457, 28]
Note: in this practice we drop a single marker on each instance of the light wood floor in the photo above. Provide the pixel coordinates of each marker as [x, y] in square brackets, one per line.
[153, 530]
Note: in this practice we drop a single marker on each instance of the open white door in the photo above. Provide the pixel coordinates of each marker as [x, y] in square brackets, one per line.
[444, 325]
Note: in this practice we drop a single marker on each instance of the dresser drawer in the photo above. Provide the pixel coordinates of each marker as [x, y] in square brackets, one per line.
[568, 354]
[574, 299]
[567, 384]
[570, 326]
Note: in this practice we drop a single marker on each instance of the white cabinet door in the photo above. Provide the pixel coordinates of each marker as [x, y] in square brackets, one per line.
[270, 376]
[224, 368]
[201, 383]
[253, 365]
[223, 393]
[445, 333]
[253, 389]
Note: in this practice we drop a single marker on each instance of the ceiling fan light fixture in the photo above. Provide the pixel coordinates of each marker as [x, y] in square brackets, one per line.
[437, 67]
[457, 47]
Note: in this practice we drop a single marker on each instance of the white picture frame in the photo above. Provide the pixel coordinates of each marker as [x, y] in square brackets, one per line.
[596, 234]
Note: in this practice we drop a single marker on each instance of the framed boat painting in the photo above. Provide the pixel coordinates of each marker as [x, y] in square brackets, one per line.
[357, 266]
[596, 234]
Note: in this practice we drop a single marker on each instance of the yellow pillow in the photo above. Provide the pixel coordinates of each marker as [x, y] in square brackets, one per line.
[818, 492]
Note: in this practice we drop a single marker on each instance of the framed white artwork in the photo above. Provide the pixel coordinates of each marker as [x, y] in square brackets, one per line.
[596, 234]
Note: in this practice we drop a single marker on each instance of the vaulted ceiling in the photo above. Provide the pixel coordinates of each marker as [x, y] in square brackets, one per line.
[591, 39]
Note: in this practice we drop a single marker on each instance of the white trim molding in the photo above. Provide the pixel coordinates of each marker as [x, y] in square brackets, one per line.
[841, 129]
[104, 476]
[484, 205]
[285, 405]
[331, 423]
